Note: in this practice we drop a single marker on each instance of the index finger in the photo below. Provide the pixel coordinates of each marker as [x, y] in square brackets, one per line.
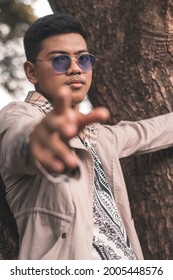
[61, 102]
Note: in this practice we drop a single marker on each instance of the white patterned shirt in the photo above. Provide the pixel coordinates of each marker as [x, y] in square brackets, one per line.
[110, 241]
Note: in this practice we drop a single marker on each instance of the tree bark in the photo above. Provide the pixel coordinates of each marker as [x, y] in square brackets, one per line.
[8, 230]
[134, 79]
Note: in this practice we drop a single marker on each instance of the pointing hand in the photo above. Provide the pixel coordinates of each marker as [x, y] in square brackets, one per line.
[49, 141]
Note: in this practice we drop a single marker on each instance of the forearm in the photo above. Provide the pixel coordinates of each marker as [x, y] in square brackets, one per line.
[15, 150]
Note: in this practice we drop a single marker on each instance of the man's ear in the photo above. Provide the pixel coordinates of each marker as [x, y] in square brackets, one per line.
[30, 71]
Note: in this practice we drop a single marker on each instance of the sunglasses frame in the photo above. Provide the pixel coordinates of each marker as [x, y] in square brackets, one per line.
[76, 57]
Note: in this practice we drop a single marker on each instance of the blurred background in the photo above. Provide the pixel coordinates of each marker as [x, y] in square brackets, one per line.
[15, 17]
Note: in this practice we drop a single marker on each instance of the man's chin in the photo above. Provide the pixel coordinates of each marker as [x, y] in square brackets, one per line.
[77, 99]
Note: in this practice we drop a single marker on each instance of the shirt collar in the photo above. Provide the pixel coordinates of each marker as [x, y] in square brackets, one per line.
[35, 98]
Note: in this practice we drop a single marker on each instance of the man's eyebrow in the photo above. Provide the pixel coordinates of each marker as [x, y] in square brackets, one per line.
[64, 52]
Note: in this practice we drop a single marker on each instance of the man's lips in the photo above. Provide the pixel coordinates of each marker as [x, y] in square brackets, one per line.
[76, 82]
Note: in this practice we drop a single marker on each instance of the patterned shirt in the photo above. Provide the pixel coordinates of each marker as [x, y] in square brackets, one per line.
[110, 241]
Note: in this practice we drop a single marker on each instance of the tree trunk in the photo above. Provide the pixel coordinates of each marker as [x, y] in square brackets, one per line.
[8, 230]
[134, 79]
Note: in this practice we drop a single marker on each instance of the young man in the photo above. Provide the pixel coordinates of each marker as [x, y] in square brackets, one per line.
[61, 169]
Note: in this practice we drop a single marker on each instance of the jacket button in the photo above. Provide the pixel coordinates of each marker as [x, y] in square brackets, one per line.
[64, 235]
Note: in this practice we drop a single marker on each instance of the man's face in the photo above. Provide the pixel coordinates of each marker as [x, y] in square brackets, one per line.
[48, 81]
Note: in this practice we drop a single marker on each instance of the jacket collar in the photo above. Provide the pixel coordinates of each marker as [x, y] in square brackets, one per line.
[35, 98]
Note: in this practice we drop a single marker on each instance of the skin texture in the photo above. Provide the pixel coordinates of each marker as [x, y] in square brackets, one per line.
[49, 141]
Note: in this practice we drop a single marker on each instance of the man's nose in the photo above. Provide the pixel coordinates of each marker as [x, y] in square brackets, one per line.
[74, 67]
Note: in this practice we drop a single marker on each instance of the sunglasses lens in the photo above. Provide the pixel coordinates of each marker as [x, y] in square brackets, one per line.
[86, 62]
[61, 63]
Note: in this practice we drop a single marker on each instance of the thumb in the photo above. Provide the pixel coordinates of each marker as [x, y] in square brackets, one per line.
[97, 115]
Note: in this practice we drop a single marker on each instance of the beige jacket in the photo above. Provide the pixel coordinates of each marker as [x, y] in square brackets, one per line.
[54, 216]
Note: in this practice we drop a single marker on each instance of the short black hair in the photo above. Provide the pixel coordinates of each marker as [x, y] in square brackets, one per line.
[47, 26]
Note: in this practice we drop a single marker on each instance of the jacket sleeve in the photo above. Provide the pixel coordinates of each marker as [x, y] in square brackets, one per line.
[144, 136]
[17, 120]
